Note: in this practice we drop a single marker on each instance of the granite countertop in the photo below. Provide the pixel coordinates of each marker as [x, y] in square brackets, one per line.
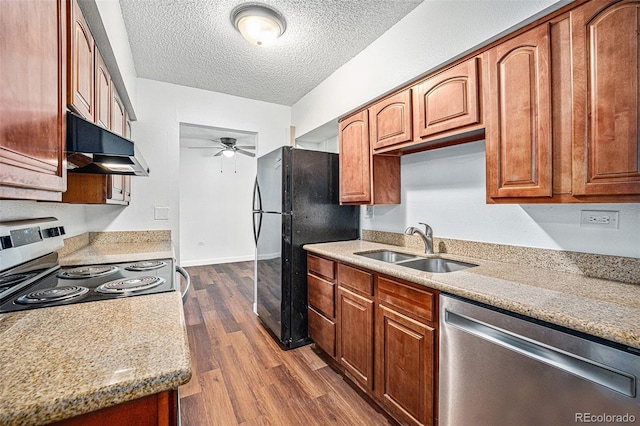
[63, 361]
[115, 252]
[602, 308]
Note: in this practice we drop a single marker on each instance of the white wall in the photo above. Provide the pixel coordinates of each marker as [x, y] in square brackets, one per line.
[433, 33]
[73, 216]
[327, 145]
[161, 107]
[215, 207]
[446, 189]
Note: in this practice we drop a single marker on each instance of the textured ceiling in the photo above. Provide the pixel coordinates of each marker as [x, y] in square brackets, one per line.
[193, 43]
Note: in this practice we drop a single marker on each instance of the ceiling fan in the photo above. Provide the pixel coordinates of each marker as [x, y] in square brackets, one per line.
[228, 148]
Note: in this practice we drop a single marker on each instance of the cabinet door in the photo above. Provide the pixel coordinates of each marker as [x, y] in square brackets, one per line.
[355, 159]
[606, 96]
[32, 94]
[447, 101]
[81, 66]
[115, 190]
[118, 117]
[391, 120]
[102, 92]
[518, 132]
[355, 336]
[405, 370]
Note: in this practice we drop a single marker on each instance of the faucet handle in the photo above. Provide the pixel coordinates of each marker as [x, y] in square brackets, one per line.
[427, 229]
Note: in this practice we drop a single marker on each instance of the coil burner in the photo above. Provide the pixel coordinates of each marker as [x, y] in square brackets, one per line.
[55, 294]
[146, 265]
[93, 271]
[130, 285]
[12, 280]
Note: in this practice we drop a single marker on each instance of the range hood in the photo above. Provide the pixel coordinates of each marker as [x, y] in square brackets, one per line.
[93, 149]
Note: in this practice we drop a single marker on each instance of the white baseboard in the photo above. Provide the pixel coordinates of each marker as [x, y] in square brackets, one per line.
[215, 261]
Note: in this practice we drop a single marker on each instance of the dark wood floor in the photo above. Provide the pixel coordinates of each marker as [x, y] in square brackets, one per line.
[242, 377]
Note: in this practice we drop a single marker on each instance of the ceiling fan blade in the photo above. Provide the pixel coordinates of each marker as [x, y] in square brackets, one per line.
[219, 153]
[246, 146]
[247, 153]
[203, 147]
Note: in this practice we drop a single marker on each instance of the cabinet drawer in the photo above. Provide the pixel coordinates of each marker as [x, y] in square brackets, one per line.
[322, 331]
[355, 279]
[321, 295]
[421, 303]
[322, 267]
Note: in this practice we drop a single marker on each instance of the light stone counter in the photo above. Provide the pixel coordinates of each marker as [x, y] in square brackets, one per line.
[64, 361]
[60, 362]
[602, 308]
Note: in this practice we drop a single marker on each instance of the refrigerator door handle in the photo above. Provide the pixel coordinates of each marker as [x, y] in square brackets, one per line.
[256, 232]
[256, 192]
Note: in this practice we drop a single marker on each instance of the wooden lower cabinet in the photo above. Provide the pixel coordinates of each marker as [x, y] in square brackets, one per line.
[160, 409]
[384, 338]
[355, 336]
[321, 302]
[406, 327]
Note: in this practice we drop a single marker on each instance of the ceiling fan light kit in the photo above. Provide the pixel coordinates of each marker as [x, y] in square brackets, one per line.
[228, 148]
[258, 24]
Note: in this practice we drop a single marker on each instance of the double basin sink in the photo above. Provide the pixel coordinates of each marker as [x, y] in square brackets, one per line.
[436, 265]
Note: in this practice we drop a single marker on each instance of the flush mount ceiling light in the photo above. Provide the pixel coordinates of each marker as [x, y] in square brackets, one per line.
[258, 24]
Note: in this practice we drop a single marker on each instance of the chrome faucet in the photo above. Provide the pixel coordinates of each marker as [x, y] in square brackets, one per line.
[426, 236]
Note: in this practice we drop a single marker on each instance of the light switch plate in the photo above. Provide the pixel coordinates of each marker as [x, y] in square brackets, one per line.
[161, 213]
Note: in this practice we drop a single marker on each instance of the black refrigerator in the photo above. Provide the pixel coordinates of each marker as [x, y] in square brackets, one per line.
[295, 202]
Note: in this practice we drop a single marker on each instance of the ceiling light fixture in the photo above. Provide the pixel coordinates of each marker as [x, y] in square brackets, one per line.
[228, 152]
[258, 24]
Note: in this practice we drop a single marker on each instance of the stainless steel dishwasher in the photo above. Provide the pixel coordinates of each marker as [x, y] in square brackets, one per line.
[501, 369]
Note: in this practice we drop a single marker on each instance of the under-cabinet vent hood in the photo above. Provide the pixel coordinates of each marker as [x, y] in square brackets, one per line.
[93, 149]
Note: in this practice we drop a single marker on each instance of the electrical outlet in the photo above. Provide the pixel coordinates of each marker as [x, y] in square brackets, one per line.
[603, 219]
[368, 213]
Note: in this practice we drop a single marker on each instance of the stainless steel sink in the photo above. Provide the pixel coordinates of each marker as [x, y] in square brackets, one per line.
[388, 256]
[437, 265]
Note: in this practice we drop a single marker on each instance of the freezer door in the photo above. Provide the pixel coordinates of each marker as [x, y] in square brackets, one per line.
[270, 181]
[271, 274]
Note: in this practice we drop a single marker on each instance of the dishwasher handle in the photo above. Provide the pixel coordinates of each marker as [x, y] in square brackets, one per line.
[187, 278]
[568, 362]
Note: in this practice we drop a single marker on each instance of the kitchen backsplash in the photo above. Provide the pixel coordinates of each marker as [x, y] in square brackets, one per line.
[113, 237]
[624, 269]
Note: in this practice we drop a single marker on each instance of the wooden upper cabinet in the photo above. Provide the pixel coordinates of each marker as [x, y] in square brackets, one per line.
[118, 116]
[81, 64]
[32, 96]
[447, 101]
[355, 159]
[102, 92]
[518, 119]
[391, 121]
[606, 150]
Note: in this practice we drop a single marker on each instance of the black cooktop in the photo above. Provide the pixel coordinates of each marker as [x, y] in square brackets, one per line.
[86, 283]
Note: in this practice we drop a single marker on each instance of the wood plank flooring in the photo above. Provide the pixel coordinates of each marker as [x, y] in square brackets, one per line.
[242, 377]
